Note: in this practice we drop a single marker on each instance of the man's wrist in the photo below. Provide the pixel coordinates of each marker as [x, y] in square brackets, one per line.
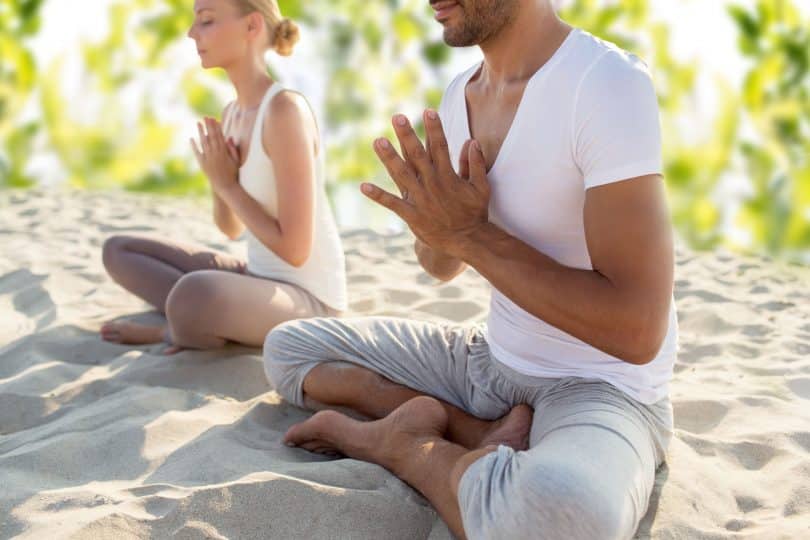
[467, 243]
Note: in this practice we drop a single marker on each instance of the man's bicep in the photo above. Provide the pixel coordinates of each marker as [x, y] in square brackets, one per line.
[629, 236]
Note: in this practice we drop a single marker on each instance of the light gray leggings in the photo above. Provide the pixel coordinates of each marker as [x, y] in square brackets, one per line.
[591, 466]
[208, 296]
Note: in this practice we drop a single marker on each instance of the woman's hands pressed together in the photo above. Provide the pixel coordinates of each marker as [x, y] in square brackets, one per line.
[218, 158]
[441, 207]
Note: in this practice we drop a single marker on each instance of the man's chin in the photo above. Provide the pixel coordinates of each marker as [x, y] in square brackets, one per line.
[456, 39]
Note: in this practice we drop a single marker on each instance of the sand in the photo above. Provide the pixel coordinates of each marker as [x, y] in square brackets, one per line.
[106, 441]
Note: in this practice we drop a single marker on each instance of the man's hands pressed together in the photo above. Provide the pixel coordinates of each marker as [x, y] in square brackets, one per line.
[620, 306]
[442, 208]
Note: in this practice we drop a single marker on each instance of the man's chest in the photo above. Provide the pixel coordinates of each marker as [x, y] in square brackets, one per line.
[490, 118]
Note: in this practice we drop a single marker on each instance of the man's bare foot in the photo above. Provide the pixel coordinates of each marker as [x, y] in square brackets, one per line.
[386, 442]
[510, 430]
[130, 333]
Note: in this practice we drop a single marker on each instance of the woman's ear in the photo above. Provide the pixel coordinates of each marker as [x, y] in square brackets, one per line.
[255, 23]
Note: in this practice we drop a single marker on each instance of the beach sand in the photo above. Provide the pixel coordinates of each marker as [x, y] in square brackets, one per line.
[106, 441]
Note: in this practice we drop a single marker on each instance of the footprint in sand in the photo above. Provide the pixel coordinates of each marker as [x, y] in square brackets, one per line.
[802, 439]
[737, 524]
[800, 387]
[455, 311]
[747, 504]
[751, 455]
[401, 297]
[451, 291]
[699, 416]
[776, 306]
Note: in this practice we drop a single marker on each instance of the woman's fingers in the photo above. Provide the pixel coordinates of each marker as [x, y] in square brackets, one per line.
[203, 137]
[214, 134]
[196, 149]
[233, 151]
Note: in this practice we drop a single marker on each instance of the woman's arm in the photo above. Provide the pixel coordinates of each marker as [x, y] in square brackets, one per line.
[289, 135]
[224, 218]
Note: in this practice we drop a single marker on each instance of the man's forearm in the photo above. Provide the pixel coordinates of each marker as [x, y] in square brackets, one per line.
[582, 303]
[437, 264]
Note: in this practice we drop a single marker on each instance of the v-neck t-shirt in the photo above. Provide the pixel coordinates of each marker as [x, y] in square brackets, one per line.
[587, 117]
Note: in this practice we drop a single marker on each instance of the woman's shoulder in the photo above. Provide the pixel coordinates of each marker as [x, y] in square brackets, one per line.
[289, 113]
[289, 105]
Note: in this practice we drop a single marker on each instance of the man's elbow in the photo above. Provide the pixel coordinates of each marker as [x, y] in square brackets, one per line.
[643, 345]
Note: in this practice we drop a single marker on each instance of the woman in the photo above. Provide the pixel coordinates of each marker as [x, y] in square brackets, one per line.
[265, 167]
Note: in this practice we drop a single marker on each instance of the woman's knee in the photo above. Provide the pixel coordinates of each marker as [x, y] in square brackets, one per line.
[111, 252]
[191, 302]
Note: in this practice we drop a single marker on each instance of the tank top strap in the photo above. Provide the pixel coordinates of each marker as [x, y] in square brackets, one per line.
[274, 89]
[227, 118]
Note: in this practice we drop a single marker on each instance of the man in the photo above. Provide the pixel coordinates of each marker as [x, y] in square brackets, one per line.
[551, 421]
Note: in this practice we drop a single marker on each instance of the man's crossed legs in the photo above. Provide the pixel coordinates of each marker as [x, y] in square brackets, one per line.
[592, 452]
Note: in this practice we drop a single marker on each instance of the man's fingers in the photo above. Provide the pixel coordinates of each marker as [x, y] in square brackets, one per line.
[388, 200]
[478, 168]
[399, 171]
[437, 142]
[464, 160]
[412, 147]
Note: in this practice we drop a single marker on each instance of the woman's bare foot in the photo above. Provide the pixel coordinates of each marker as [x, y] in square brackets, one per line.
[130, 333]
[510, 430]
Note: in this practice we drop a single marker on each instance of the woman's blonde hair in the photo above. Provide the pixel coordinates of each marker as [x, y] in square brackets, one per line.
[282, 32]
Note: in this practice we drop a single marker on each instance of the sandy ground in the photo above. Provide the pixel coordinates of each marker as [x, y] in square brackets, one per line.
[105, 441]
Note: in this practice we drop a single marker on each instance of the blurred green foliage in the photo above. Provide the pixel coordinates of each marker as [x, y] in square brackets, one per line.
[383, 57]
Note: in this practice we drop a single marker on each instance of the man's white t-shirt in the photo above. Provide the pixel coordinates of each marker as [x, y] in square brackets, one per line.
[587, 118]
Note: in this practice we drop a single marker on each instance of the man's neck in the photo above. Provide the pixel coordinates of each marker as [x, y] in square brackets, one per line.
[522, 47]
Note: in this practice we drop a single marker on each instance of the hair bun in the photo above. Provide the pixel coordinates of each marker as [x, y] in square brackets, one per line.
[287, 35]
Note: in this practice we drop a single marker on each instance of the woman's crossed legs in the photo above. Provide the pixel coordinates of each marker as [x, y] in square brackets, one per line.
[207, 297]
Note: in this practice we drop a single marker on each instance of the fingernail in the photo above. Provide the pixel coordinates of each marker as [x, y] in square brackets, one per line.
[366, 188]
[401, 120]
[383, 143]
[432, 114]
[476, 146]
[290, 444]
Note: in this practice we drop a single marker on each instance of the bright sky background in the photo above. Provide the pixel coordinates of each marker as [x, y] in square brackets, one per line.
[700, 29]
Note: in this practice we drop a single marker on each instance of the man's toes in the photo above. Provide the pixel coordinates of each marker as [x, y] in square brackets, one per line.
[313, 429]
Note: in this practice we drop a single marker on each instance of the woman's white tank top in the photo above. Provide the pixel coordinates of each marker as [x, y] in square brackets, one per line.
[323, 274]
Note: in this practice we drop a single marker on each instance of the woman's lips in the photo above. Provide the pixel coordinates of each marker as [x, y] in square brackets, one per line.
[443, 8]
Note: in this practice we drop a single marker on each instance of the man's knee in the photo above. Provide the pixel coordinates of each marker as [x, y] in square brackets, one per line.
[575, 504]
[280, 359]
[506, 495]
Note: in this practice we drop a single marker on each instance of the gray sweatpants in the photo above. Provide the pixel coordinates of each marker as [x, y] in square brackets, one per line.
[593, 453]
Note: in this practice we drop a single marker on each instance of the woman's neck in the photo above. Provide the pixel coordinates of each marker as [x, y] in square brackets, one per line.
[251, 81]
